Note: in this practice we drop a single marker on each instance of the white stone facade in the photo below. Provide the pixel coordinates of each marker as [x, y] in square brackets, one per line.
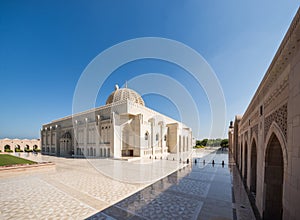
[21, 144]
[265, 141]
[124, 127]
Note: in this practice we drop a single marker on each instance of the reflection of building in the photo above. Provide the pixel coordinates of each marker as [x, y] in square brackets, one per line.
[20, 144]
[123, 127]
[266, 139]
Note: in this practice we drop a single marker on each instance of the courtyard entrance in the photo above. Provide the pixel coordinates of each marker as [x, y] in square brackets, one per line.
[127, 153]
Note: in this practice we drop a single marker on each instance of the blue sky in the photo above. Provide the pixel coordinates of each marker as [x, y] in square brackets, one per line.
[46, 45]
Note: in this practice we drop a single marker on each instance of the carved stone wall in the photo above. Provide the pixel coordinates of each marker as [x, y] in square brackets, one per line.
[280, 117]
[275, 101]
[254, 130]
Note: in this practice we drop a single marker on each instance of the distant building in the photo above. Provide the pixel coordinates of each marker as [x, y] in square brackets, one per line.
[21, 144]
[124, 127]
[265, 141]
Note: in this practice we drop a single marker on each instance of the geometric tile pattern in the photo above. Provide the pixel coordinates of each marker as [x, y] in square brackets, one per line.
[34, 199]
[75, 190]
[197, 192]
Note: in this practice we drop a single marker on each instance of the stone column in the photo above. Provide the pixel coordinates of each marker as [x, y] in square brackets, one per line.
[161, 124]
[152, 121]
[42, 141]
[140, 135]
[46, 141]
[117, 136]
[76, 137]
[85, 136]
[97, 133]
[179, 141]
[50, 131]
[112, 135]
[230, 138]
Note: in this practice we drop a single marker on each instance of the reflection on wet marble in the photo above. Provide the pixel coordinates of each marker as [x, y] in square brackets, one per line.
[198, 191]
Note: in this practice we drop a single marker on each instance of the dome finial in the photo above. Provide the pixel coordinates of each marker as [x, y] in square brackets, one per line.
[116, 87]
[126, 84]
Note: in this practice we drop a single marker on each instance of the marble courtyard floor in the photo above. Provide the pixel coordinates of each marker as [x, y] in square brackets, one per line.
[74, 188]
[198, 191]
[79, 188]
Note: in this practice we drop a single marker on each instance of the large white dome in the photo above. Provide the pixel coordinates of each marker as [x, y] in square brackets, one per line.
[124, 94]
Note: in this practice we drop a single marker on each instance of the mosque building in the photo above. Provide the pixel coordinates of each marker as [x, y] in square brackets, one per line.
[124, 127]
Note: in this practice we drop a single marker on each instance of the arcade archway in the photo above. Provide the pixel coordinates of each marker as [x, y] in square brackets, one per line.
[274, 172]
[253, 169]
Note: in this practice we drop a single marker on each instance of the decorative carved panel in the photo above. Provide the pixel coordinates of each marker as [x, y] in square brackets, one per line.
[280, 117]
[254, 130]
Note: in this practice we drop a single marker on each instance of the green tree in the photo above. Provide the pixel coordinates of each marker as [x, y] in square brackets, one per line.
[204, 142]
[224, 143]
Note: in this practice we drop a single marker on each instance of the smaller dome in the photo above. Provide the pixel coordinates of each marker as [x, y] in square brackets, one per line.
[124, 94]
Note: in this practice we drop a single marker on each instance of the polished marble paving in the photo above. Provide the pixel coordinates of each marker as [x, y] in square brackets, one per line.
[79, 189]
[74, 188]
[199, 191]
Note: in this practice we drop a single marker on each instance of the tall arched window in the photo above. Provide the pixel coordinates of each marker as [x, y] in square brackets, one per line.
[146, 136]
[156, 137]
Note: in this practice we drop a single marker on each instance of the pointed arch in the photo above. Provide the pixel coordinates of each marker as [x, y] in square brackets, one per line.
[241, 156]
[274, 128]
[245, 160]
[275, 166]
[253, 140]
[253, 166]
[7, 148]
[146, 136]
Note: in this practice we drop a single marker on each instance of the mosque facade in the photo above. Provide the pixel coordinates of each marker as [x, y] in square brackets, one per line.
[124, 127]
